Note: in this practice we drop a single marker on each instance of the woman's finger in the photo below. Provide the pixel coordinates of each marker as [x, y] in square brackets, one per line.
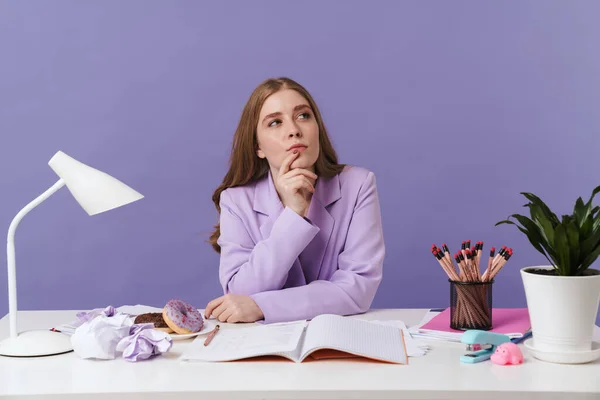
[285, 165]
[219, 310]
[212, 305]
[301, 182]
[225, 315]
[300, 171]
[233, 318]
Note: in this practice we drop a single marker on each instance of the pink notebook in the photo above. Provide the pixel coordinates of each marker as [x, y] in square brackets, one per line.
[513, 322]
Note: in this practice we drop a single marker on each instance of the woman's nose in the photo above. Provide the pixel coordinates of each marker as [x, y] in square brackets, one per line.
[295, 133]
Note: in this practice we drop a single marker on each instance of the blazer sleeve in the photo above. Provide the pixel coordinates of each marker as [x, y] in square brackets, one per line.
[352, 287]
[247, 268]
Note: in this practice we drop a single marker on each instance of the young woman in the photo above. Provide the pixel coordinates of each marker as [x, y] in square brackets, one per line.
[299, 234]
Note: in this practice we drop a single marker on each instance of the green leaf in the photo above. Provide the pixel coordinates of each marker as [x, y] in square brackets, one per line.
[596, 223]
[590, 259]
[594, 192]
[547, 212]
[584, 211]
[532, 232]
[591, 242]
[580, 211]
[588, 210]
[587, 228]
[573, 240]
[506, 221]
[537, 246]
[543, 223]
[561, 245]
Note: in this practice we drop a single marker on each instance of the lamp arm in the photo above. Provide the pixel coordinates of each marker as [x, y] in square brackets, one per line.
[10, 252]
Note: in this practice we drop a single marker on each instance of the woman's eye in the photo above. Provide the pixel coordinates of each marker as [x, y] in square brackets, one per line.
[274, 122]
[305, 115]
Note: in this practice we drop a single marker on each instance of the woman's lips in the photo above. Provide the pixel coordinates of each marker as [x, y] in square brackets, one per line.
[298, 148]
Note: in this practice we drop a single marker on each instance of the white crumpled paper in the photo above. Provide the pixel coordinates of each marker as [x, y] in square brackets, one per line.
[144, 342]
[98, 337]
[106, 334]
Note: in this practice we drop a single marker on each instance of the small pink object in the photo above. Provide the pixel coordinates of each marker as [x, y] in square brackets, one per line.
[507, 353]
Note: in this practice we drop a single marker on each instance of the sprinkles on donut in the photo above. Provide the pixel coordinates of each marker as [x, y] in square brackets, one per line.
[182, 317]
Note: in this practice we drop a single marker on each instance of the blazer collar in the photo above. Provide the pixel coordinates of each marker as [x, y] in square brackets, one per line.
[266, 201]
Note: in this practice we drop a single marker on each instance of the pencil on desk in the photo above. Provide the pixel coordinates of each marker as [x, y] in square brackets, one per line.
[498, 256]
[465, 265]
[448, 256]
[468, 263]
[498, 259]
[448, 261]
[443, 260]
[479, 248]
[447, 268]
[472, 264]
[479, 251]
[477, 256]
[211, 335]
[462, 275]
[507, 255]
[485, 275]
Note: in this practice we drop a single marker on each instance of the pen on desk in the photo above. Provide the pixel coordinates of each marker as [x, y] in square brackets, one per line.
[519, 340]
[211, 335]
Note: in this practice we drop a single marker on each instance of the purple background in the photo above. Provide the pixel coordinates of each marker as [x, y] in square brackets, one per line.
[456, 106]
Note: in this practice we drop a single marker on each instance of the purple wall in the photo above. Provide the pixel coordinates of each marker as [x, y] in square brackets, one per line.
[456, 106]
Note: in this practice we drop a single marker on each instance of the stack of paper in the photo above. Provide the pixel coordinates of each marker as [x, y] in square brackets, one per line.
[513, 322]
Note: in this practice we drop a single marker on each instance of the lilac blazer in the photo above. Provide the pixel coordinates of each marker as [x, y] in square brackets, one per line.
[295, 269]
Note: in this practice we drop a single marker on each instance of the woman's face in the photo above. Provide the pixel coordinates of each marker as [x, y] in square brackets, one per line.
[287, 123]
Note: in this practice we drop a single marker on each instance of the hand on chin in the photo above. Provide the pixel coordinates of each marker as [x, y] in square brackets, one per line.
[300, 163]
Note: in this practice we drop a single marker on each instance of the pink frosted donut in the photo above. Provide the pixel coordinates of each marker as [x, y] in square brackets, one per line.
[182, 317]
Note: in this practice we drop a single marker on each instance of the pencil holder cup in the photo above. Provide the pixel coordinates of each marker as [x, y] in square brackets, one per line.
[471, 305]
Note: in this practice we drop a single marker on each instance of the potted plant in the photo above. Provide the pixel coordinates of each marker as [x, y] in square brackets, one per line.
[562, 297]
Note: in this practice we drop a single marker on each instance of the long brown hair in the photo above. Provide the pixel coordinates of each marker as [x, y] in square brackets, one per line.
[244, 164]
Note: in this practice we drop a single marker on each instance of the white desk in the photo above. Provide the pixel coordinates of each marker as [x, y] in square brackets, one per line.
[438, 375]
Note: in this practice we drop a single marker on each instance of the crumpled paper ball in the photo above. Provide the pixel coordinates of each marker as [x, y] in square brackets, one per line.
[104, 333]
[144, 342]
[98, 337]
[83, 317]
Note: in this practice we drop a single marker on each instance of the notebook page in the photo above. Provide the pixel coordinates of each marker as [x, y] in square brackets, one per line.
[238, 343]
[363, 338]
[296, 354]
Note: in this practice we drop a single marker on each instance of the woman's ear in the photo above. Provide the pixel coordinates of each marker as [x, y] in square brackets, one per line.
[260, 153]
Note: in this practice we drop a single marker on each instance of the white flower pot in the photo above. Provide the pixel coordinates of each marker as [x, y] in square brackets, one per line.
[562, 310]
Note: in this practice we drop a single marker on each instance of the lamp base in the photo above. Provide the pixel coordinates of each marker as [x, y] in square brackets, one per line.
[36, 344]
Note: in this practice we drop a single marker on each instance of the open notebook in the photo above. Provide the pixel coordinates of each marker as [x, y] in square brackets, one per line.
[298, 340]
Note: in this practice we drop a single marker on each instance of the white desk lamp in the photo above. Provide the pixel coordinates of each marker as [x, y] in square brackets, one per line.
[96, 192]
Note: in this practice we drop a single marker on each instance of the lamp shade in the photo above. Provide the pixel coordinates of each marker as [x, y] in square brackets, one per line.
[94, 190]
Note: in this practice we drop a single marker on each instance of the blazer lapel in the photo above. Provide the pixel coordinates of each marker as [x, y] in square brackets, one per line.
[326, 193]
[266, 202]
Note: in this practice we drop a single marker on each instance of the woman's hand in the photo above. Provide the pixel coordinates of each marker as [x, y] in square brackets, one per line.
[234, 308]
[295, 187]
